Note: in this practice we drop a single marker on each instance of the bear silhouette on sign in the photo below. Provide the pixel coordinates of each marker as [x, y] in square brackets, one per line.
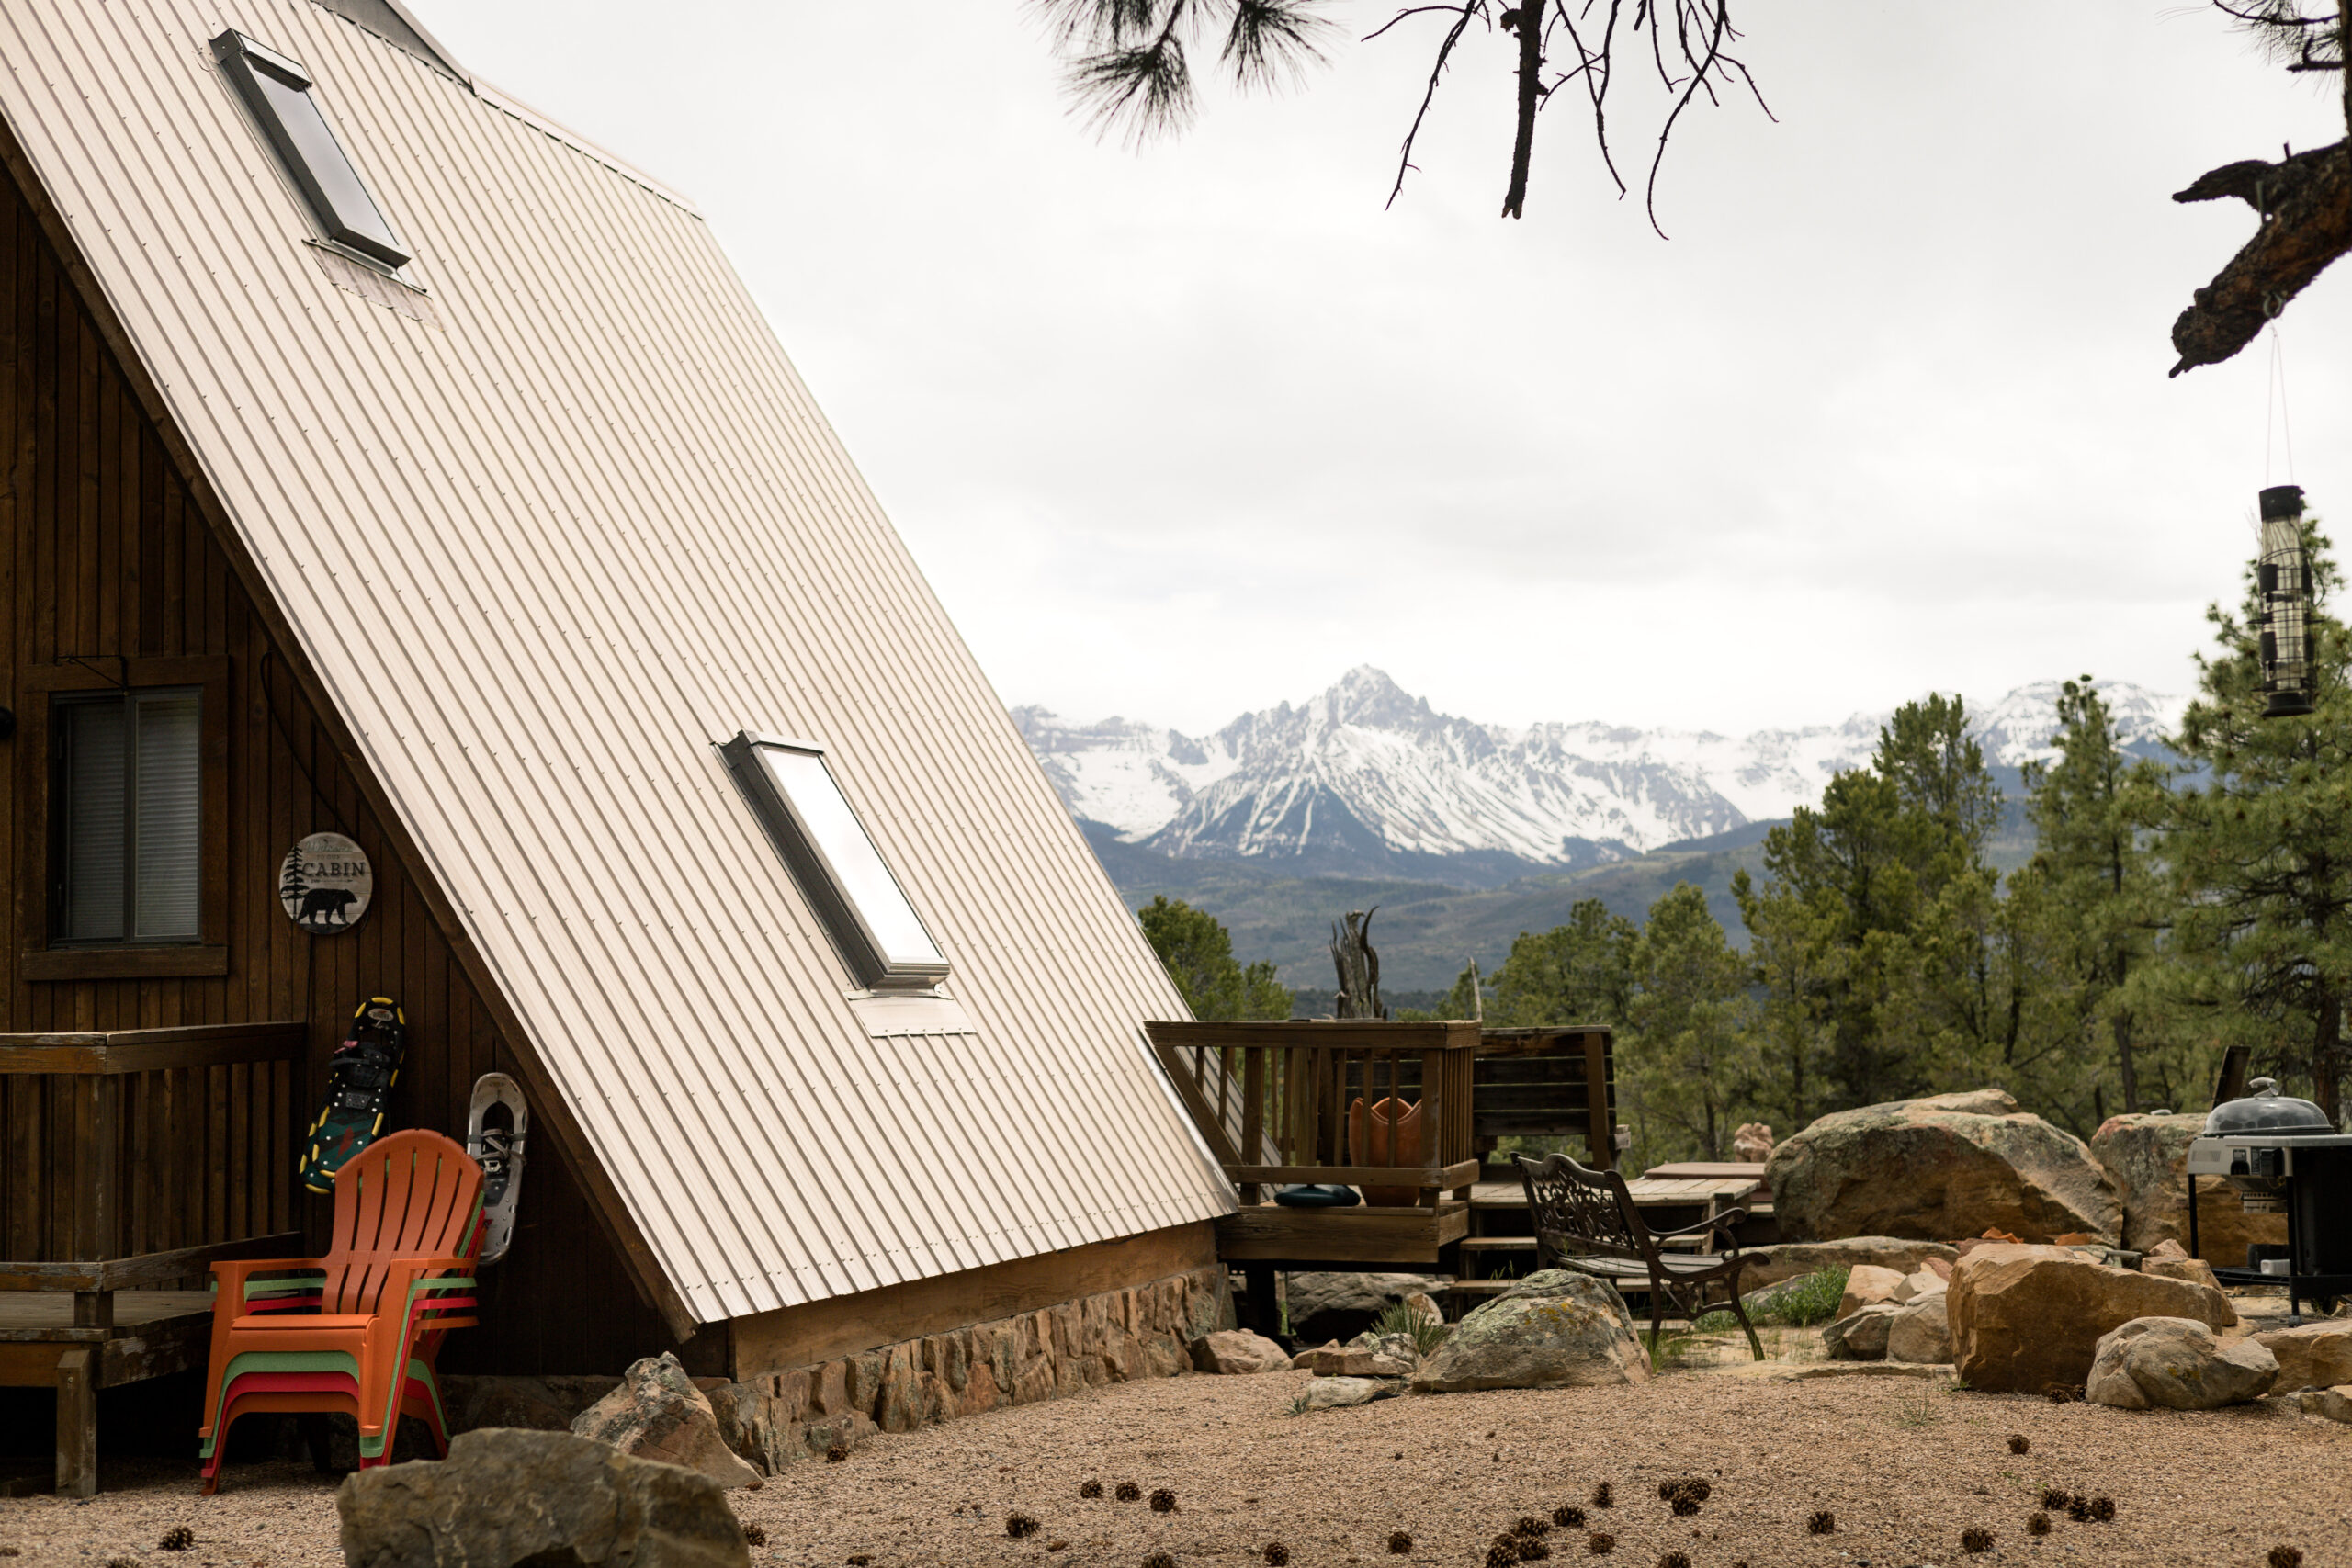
[326, 905]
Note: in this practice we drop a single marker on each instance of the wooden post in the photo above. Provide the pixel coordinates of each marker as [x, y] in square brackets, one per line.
[1602, 1137]
[1253, 1114]
[77, 1423]
[94, 1309]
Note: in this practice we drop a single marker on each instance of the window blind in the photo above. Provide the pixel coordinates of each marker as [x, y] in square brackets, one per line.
[96, 828]
[166, 796]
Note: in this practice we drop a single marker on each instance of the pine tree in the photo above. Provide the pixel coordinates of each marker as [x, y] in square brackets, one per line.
[1198, 952]
[2259, 854]
[1576, 973]
[1689, 1054]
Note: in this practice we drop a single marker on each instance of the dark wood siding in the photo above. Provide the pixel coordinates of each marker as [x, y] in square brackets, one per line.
[106, 555]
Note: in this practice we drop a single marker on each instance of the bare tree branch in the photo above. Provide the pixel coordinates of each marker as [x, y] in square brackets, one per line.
[1463, 16]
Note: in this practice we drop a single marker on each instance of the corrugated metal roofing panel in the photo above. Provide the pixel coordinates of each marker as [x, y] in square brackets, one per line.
[545, 555]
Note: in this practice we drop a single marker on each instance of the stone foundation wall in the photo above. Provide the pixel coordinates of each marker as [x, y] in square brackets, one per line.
[1116, 1336]
[1145, 1331]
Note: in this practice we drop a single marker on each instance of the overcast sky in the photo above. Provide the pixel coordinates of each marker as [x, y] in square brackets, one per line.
[1181, 434]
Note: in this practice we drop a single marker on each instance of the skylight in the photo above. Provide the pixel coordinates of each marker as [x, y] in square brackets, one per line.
[279, 91]
[833, 859]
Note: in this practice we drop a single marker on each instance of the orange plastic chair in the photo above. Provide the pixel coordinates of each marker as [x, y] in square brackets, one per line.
[359, 1329]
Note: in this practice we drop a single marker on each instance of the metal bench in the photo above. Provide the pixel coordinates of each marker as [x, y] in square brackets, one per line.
[1585, 1220]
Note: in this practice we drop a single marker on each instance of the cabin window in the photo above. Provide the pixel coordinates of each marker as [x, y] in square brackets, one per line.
[835, 862]
[129, 817]
[285, 103]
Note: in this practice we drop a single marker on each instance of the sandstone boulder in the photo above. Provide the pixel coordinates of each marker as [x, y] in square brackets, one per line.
[1232, 1351]
[2146, 1156]
[2195, 1270]
[2317, 1355]
[1928, 1282]
[1920, 1331]
[1949, 1166]
[659, 1413]
[2025, 1318]
[1793, 1260]
[506, 1496]
[1341, 1306]
[1555, 1328]
[1867, 1285]
[1338, 1394]
[1862, 1336]
[2336, 1403]
[2175, 1363]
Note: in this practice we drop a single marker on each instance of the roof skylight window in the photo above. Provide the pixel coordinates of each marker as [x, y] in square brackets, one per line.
[279, 91]
[833, 859]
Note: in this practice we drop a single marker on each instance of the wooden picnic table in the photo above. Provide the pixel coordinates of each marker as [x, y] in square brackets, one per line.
[1703, 1168]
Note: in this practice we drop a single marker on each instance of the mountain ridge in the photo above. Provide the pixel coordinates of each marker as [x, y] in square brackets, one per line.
[1364, 779]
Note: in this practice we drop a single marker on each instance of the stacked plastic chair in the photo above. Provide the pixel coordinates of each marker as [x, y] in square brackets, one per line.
[358, 1330]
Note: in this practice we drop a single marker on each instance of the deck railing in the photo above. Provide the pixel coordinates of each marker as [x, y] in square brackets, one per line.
[1275, 1101]
[139, 1156]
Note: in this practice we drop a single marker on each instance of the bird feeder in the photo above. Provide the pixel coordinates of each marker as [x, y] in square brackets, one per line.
[2284, 578]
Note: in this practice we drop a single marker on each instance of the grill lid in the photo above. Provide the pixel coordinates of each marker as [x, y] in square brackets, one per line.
[2266, 1111]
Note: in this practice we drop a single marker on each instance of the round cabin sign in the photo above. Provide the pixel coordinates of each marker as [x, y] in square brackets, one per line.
[325, 884]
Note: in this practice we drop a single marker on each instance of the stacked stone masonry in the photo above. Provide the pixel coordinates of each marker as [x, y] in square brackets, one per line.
[1142, 1332]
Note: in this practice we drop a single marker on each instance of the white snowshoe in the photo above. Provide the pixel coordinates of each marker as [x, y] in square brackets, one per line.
[495, 1125]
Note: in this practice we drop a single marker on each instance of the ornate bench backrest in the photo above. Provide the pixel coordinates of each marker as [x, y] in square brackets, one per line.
[1577, 1212]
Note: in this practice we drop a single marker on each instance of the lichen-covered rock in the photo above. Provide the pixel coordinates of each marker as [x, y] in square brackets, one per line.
[1235, 1350]
[2175, 1363]
[2025, 1318]
[1555, 1328]
[2316, 1355]
[2146, 1156]
[506, 1496]
[1920, 1330]
[659, 1413]
[1938, 1168]
[1861, 1336]
[1793, 1260]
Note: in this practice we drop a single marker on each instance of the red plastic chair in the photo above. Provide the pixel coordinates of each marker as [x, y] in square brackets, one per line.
[359, 1329]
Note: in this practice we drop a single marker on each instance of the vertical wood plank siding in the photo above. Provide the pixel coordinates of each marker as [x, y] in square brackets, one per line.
[542, 555]
[106, 555]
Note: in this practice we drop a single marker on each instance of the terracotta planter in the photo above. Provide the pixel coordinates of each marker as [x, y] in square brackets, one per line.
[1391, 1123]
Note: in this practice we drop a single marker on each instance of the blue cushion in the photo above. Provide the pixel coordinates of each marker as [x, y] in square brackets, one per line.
[1316, 1197]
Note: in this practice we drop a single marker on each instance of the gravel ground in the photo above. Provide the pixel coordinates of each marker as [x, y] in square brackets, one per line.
[1905, 1465]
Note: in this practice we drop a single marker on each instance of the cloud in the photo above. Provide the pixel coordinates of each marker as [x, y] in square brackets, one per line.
[1181, 432]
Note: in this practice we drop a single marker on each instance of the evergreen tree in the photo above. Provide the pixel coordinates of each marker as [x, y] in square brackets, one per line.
[1198, 952]
[1578, 973]
[2088, 888]
[2259, 854]
[1689, 1058]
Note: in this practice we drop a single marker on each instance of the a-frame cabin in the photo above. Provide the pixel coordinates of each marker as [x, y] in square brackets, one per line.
[455, 499]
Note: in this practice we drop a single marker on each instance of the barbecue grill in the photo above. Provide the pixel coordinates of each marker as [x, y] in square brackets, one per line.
[2284, 1156]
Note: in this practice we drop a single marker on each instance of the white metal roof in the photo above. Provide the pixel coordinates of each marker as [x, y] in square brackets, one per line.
[548, 548]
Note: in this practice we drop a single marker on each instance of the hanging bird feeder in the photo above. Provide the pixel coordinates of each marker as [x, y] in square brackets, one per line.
[2284, 579]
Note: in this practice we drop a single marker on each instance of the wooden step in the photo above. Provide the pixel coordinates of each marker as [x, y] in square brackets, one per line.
[1497, 1243]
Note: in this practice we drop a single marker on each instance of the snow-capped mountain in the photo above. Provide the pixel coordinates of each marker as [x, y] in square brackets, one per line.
[1368, 771]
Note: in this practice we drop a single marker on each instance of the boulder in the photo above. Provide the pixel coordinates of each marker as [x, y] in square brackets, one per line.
[1926, 1282]
[1336, 1361]
[2146, 1156]
[1866, 1285]
[505, 1497]
[659, 1413]
[2336, 1403]
[1338, 1393]
[2317, 1355]
[1862, 1336]
[1920, 1331]
[2025, 1318]
[1948, 1166]
[1230, 1350]
[1793, 1260]
[1341, 1306]
[2195, 1270]
[2175, 1363]
[1553, 1330]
